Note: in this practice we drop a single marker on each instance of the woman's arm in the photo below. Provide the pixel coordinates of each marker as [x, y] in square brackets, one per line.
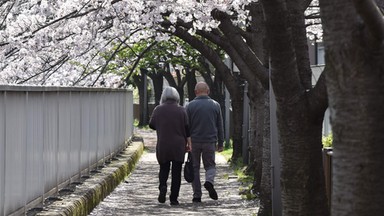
[188, 147]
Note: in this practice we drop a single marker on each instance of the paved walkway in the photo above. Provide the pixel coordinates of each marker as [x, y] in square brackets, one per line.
[138, 194]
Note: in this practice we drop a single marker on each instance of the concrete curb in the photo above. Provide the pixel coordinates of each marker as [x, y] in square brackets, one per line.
[93, 190]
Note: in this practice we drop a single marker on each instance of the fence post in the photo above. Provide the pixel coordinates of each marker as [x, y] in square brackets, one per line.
[327, 163]
[2, 151]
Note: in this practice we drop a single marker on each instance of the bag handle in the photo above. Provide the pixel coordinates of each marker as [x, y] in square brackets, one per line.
[189, 158]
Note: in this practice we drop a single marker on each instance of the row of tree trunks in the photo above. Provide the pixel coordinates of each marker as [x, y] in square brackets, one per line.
[299, 107]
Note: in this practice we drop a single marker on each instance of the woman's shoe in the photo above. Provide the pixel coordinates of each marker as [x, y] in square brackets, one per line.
[196, 200]
[163, 193]
[174, 202]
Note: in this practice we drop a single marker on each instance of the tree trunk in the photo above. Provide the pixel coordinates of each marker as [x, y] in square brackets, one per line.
[214, 83]
[300, 112]
[257, 113]
[138, 80]
[301, 163]
[191, 83]
[157, 80]
[218, 91]
[353, 41]
[237, 115]
[179, 85]
[265, 186]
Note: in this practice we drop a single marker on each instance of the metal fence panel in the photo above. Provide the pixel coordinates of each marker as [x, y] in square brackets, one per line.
[84, 152]
[75, 147]
[93, 121]
[101, 153]
[35, 147]
[128, 115]
[15, 151]
[2, 151]
[50, 136]
[108, 124]
[64, 139]
[115, 123]
[50, 139]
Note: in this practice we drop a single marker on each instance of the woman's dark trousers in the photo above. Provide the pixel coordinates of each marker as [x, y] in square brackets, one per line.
[176, 177]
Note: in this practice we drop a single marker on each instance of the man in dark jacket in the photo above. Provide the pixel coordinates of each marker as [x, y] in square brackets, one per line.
[206, 128]
[170, 121]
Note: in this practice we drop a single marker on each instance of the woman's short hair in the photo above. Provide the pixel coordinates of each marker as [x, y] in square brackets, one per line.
[169, 93]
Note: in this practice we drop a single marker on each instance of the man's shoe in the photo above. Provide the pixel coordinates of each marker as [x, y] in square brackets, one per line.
[211, 190]
[196, 200]
[163, 193]
[174, 202]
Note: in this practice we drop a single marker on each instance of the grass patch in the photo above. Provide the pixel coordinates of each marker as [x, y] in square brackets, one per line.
[136, 124]
[327, 141]
[227, 153]
[245, 177]
[146, 149]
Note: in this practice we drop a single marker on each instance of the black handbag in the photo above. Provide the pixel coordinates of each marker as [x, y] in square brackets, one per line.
[188, 169]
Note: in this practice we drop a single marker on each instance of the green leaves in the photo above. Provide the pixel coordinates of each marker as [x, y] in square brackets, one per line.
[327, 141]
[153, 56]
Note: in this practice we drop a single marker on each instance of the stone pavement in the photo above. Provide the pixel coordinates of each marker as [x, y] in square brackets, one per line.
[138, 194]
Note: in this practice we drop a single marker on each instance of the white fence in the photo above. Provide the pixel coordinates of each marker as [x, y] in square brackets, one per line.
[51, 136]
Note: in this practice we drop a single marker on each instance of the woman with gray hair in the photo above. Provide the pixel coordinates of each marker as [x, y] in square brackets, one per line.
[170, 121]
[169, 93]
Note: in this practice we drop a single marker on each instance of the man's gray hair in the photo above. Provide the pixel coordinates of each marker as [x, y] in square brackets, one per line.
[169, 93]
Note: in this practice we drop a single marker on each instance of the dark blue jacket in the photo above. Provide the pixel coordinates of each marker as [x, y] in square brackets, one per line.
[205, 120]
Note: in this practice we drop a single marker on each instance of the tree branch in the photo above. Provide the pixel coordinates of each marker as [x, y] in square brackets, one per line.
[138, 60]
[245, 54]
[209, 54]
[8, 9]
[103, 69]
[372, 17]
[58, 63]
[283, 62]
[55, 21]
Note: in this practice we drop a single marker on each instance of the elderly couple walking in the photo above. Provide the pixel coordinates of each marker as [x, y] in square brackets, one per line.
[197, 128]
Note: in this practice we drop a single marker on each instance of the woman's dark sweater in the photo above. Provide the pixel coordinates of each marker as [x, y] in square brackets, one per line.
[171, 124]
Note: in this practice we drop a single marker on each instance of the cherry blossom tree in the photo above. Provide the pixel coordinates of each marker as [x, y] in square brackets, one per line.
[59, 42]
[272, 34]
